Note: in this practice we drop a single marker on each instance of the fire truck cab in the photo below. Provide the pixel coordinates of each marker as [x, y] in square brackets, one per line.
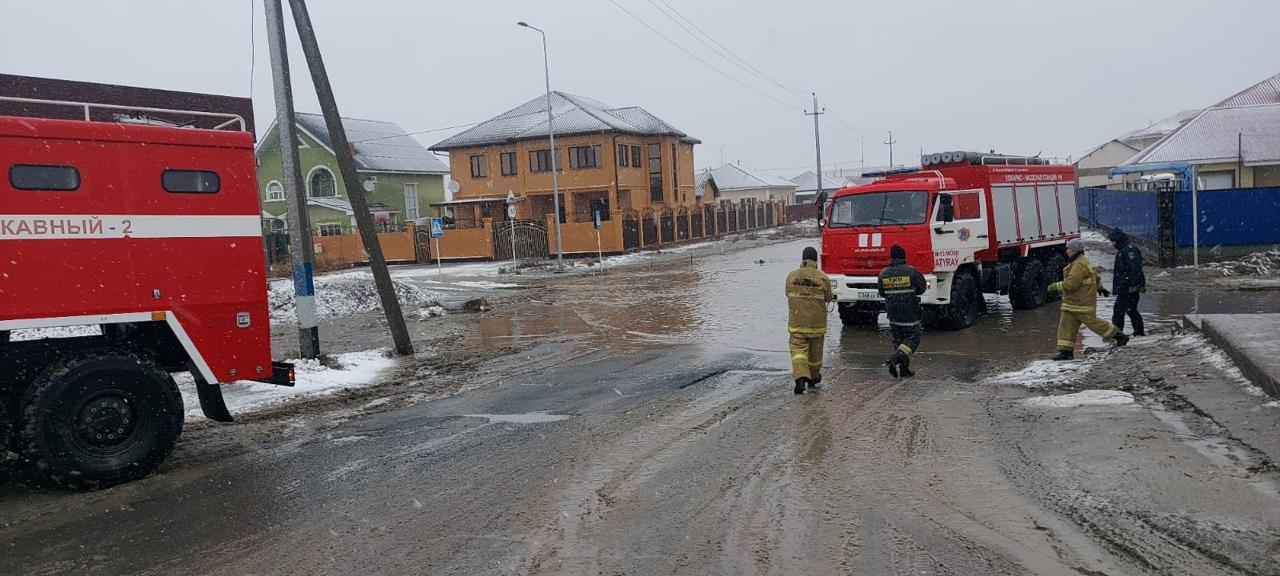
[128, 252]
[972, 223]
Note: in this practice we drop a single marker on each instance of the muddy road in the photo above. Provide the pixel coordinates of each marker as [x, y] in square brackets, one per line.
[642, 422]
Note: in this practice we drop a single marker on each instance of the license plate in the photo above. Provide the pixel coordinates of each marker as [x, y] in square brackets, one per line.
[868, 295]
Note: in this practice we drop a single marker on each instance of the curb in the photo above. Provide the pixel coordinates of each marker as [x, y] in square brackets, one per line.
[1251, 369]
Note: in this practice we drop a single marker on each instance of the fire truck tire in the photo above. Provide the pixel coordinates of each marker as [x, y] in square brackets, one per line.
[1053, 273]
[963, 310]
[855, 318]
[1029, 287]
[101, 418]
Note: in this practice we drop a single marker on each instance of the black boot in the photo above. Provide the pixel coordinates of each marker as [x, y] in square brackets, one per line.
[893, 367]
[904, 368]
[1121, 339]
[1138, 332]
[815, 381]
[1064, 355]
[800, 385]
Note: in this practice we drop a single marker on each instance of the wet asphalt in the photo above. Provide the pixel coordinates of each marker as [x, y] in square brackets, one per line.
[646, 426]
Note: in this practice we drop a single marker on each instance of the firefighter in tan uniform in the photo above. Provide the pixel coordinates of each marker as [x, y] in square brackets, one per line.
[1080, 287]
[808, 291]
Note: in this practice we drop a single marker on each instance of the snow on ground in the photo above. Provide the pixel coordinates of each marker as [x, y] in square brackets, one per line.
[59, 332]
[1043, 373]
[1255, 264]
[351, 370]
[1092, 236]
[1078, 399]
[1214, 356]
[343, 294]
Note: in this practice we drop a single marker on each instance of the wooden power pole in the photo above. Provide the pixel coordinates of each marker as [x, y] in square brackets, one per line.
[355, 192]
[302, 250]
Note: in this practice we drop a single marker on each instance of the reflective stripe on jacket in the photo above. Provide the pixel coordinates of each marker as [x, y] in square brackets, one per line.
[901, 286]
[808, 291]
[1079, 286]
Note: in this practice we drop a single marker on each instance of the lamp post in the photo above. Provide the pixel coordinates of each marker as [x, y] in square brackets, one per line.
[551, 131]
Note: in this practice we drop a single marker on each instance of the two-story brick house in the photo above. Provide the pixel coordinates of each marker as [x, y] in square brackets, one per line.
[622, 162]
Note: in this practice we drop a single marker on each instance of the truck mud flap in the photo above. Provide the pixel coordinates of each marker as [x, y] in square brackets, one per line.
[211, 402]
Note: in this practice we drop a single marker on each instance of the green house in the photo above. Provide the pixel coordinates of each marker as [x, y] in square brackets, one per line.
[400, 178]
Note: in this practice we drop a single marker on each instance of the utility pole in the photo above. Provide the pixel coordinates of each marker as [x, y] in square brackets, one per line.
[891, 142]
[551, 131]
[300, 245]
[862, 154]
[817, 147]
[355, 191]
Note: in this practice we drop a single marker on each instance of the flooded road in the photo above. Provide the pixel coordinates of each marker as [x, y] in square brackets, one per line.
[642, 422]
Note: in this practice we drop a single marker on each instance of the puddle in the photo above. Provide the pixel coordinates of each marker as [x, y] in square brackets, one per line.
[529, 418]
[1217, 449]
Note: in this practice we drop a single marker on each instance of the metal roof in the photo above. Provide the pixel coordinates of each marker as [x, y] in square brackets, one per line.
[734, 177]
[1159, 128]
[572, 115]
[1244, 127]
[380, 146]
[808, 182]
[332, 203]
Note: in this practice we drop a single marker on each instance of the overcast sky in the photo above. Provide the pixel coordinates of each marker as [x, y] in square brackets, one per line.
[1018, 76]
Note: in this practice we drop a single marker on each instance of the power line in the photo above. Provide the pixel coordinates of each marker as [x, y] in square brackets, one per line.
[698, 58]
[747, 65]
[730, 57]
[454, 127]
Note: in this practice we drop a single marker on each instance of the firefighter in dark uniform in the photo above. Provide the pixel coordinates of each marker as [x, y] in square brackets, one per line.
[808, 291]
[901, 286]
[1128, 282]
[1080, 288]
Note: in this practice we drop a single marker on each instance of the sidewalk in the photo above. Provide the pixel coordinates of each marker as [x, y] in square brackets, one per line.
[1251, 340]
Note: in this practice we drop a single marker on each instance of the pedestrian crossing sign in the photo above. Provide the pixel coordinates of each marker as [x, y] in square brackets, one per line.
[437, 227]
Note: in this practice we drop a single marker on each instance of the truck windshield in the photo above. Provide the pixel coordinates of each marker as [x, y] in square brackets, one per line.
[880, 208]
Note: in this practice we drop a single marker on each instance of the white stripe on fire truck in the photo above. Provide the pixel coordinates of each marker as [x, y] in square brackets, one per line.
[109, 226]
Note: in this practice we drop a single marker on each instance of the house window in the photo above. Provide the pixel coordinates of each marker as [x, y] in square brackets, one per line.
[584, 157]
[655, 173]
[275, 192]
[329, 230]
[479, 166]
[635, 156]
[321, 184]
[508, 160]
[33, 177]
[623, 155]
[277, 226]
[190, 181]
[540, 161]
[410, 202]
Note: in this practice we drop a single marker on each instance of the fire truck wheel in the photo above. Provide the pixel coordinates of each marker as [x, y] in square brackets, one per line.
[853, 317]
[1053, 273]
[1029, 287]
[962, 312]
[101, 418]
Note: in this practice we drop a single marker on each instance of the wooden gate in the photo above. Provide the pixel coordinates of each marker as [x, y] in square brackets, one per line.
[531, 240]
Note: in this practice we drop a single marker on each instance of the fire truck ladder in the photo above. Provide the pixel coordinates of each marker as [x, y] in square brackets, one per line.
[228, 120]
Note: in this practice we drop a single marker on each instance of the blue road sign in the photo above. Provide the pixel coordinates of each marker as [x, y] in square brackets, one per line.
[437, 227]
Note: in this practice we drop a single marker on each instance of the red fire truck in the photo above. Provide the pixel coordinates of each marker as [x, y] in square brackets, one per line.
[971, 222]
[143, 241]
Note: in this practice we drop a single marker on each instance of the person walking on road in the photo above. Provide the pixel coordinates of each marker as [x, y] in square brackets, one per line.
[1128, 282]
[808, 291]
[1080, 287]
[901, 286]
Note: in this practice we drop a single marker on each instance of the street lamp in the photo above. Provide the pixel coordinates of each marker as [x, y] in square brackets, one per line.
[551, 131]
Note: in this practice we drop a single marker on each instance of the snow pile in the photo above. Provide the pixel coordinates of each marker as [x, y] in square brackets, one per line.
[314, 378]
[485, 285]
[1043, 373]
[343, 294]
[1085, 398]
[431, 312]
[1255, 264]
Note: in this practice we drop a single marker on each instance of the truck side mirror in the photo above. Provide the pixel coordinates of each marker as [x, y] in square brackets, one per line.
[946, 208]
